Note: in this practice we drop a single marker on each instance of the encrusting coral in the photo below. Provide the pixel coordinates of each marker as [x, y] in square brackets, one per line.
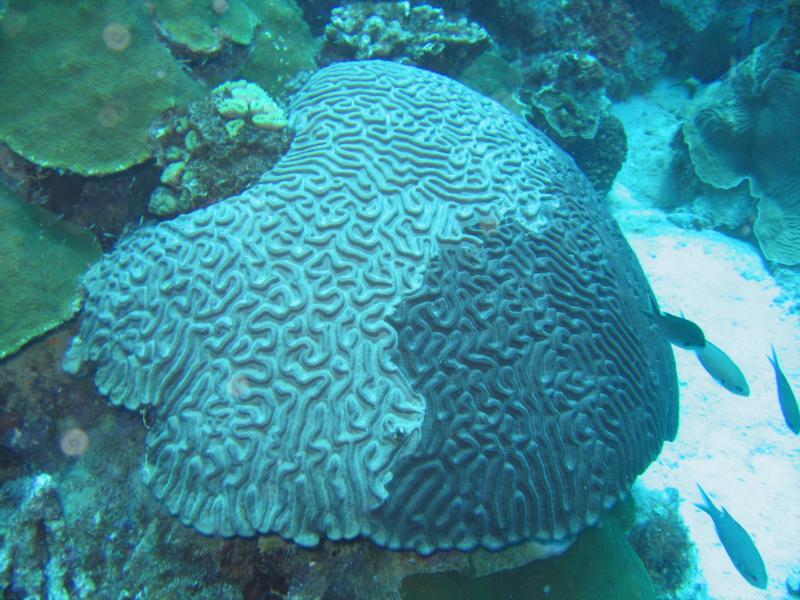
[283, 49]
[201, 29]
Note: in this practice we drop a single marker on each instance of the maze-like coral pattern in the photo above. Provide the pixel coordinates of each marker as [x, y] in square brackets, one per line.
[529, 356]
[268, 335]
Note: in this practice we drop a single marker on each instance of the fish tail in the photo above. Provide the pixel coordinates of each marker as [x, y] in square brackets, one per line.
[654, 308]
[708, 507]
[774, 358]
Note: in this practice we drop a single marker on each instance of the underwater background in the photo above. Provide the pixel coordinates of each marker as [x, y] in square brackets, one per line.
[322, 299]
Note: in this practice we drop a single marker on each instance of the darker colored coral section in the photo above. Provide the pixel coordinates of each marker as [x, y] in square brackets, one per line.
[546, 395]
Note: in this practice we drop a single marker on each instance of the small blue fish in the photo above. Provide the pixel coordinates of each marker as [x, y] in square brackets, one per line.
[737, 543]
[786, 398]
[678, 331]
[723, 369]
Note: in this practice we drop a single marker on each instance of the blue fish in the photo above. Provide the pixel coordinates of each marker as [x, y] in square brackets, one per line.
[786, 398]
[679, 331]
[723, 369]
[737, 543]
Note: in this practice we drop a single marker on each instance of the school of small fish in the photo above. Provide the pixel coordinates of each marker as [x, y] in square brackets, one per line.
[683, 333]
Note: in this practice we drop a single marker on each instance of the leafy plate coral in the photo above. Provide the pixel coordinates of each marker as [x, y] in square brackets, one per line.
[43, 259]
[82, 82]
[741, 129]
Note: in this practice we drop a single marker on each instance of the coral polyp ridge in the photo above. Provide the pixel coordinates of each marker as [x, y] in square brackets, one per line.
[348, 349]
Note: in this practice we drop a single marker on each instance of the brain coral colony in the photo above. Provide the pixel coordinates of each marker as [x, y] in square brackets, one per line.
[316, 394]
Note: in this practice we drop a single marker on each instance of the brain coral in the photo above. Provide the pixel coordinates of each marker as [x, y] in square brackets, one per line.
[421, 326]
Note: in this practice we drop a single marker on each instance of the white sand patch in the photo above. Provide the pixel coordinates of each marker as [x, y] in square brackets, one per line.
[739, 449]
[650, 123]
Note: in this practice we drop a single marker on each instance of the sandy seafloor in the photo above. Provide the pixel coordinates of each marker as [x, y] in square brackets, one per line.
[739, 449]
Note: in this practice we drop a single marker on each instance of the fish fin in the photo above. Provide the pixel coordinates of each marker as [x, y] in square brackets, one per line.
[774, 358]
[655, 310]
[708, 507]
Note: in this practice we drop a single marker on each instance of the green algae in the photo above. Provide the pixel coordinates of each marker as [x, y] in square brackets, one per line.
[43, 260]
[600, 564]
[82, 81]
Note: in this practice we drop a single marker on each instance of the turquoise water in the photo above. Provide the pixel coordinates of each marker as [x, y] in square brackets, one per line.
[398, 300]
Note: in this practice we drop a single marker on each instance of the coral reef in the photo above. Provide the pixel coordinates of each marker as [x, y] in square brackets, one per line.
[747, 129]
[661, 539]
[713, 50]
[697, 15]
[43, 260]
[265, 41]
[246, 102]
[575, 575]
[38, 402]
[417, 35]
[218, 147]
[568, 89]
[601, 157]
[198, 30]
[734, 160]
[274, 338]
[70, 516]
[37, 559]
[692, 204]
[113, 537]
[58, 53]
[493, 76]
[564, 95]
[283, 50]
[604, 30]
[84, 534]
